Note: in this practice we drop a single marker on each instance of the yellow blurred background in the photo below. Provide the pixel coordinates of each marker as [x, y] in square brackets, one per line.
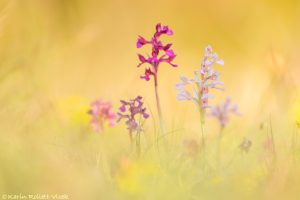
[52, 49]
[56, 56]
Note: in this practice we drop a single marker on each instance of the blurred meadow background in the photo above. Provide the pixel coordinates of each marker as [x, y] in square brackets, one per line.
[57, 56]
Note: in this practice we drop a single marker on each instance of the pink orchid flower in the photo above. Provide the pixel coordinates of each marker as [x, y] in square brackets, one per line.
[101, 113]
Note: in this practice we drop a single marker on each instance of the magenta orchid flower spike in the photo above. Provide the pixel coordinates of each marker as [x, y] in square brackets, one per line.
[161, 53]
[205, 78]
[101, 113]
[221, 112]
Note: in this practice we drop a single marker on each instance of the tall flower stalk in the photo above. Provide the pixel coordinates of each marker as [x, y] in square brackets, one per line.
[205, 79]
[133, 111]
[160, 54]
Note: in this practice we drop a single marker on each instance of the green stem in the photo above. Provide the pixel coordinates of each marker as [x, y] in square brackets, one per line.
[138, 144]
[131, 140]
[158, 104]
[218, 156]
[202, 115]
[272, 139]
[202, 122]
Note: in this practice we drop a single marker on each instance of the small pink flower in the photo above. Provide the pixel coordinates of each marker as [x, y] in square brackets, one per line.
[221, 112]
[141, 42]
[101, 112]
[162, 30]
[148, 72]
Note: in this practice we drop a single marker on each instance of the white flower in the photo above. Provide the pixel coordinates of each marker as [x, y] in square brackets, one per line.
[204, 79]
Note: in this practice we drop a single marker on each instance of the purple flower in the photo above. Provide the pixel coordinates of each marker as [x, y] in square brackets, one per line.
[221, 112]
[101, 112]
[134, 108]
[141, 42]
[148, 72]
[204, 79]
[160, 53]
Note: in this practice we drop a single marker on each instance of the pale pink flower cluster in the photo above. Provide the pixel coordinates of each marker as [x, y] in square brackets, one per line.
[204, 79]
[101, 113]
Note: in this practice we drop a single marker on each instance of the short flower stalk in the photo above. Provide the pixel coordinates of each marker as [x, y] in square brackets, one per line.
[221, 113]
[133, 111]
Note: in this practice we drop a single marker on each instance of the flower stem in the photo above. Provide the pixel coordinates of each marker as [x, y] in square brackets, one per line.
[202, 131]
[218, 156]
[202, 122]
[158, 104]
[202, 135]
[138, 144]
[131, 140]
[273, 142]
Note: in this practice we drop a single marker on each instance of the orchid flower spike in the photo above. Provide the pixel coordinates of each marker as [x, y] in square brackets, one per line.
[205, 79]
[160, 53]
[221, 112]
[130, 110]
